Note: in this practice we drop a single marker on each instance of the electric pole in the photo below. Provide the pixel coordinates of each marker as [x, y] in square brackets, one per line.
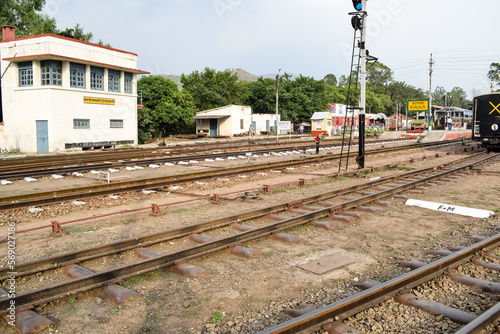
[277, 96]
[362, 102]
[431, 62]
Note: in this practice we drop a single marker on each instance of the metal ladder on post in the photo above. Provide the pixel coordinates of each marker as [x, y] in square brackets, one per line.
[352, 91]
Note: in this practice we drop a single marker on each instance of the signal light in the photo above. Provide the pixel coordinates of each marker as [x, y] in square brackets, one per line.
[358, 5]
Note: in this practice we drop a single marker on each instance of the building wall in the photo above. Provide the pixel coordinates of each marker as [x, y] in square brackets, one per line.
[61, 105]
[227, 126]
[260, 121]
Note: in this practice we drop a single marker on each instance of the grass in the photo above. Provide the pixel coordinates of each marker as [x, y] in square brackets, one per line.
[134, 281]
[269, 254]
[217, 317]
[79, 230]
[114, 310]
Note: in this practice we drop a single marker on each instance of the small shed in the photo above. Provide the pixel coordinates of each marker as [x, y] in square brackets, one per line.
[321, 123]
[224, 121]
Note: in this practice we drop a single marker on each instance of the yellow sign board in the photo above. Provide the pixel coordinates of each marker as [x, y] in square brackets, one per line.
[422, 105]
[98, 100]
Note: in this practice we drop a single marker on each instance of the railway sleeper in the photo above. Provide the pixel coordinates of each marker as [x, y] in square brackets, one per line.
[235, 250]
[432, 307]
[489, 265]
[285, 237]
[114, 293]
[301, 309]
[485, 286]
[326, 225]
[29, 322]
[340, 328]
[182, 268]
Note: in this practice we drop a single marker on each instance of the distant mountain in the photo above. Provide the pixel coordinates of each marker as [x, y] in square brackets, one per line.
[174, 78]
[242, 76]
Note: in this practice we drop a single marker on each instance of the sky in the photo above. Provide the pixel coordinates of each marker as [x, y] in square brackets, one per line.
[308, 37]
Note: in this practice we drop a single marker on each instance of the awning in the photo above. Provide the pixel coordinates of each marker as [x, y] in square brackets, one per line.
[210, 116]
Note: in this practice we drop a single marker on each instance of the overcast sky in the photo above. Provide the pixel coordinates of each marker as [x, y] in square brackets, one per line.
[308, 37]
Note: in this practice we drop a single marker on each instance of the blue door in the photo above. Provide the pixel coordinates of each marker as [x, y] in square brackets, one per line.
[254, 126]
[213, 127]
[42, 137]
[267, 125]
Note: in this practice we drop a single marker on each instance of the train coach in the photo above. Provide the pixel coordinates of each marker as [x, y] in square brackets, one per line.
[486, 120]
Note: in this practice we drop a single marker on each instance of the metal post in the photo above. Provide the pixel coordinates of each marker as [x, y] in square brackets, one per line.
[277, 96]
[362, 103]
[431, 62]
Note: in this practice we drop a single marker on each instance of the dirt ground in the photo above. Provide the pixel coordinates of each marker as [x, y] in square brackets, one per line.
[244, 294]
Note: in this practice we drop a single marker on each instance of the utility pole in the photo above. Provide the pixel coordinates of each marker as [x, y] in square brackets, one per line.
[431, 62]
[362, 102]
[277, 96]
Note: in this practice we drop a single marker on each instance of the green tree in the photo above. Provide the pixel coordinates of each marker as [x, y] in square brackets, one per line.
[379, 76]
[440, 96]
[262, 96]
[26, 17]
[330, 79]
[166, 110]
[23, 15]
[76, 33]
[494, 73]
[458, 98]
[212, 89]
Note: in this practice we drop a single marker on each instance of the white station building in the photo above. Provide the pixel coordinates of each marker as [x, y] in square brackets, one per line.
[233, 120]
[60, 93]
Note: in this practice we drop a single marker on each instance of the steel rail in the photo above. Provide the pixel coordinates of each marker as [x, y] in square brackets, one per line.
[121, 246]
[53, 292]
[131, 154]
[41, 166]
[482, 321]
[376, 295]
[61, 195]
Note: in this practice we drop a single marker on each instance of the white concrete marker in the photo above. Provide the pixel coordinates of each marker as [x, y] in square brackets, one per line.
[459, 210]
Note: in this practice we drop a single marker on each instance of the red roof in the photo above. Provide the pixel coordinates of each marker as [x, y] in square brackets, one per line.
[68, 39]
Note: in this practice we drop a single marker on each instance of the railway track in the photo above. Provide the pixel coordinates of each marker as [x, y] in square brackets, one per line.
[61, 195]
[404, 289]
[345, 205]
[33, 166]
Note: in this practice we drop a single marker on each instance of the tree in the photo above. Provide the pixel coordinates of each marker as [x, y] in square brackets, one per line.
[23, 15]
[262, 96]
[494, 73]
[458, 98]
[76, 33]
[330, 79]
[379, 75]
[26, 17]
[212, 89]
[440, 96]
[166, 110]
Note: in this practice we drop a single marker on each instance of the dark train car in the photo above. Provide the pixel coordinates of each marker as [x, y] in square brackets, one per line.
[486, 120]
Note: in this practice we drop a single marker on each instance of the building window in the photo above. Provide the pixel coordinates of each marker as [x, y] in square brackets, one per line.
[51, 72]
[81, 123]
[127, 84]
[113, 81]
[96, 78]
[116, 123]
[242, 123]
[77, 75]
[25, 74]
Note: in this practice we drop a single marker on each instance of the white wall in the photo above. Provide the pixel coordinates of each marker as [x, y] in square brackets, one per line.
[260, 121]
[59, 105]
